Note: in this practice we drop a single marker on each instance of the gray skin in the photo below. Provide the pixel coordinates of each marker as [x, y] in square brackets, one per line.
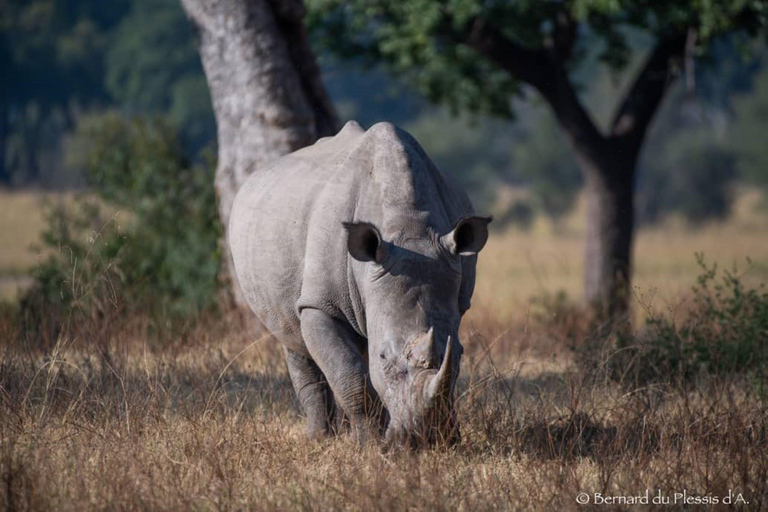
[359, 256]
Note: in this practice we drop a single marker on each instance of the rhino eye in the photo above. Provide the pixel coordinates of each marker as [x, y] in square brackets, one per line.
[382, 356]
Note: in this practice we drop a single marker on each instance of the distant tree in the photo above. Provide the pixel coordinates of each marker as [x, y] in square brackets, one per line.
[696, 181]
[475, 55]
[688, 168]
[265, 85]
[543, 160]
[152, 66]
[467, 149]
[747, 135]
[51, 60]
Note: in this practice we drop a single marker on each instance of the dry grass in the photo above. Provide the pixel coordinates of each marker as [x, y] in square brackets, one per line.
[518, 265]
[103, 419]
[22, 220]
[212, 423]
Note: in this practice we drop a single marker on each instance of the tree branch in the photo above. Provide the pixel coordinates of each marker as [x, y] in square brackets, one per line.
[523, 63]
[642, 101]
[289, 16]
[563, 35]
[544, 70]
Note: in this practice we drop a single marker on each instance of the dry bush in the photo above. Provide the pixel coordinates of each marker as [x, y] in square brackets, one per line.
[211, 422]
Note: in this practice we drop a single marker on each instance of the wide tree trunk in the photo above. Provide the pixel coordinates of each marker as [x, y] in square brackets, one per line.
[609, 236]
[265, 87]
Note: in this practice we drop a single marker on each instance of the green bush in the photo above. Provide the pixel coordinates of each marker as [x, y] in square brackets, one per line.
[725, 333]
[159, 255]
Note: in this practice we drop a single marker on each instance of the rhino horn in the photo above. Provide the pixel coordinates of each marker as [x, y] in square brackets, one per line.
[421, 352]
[440, 385]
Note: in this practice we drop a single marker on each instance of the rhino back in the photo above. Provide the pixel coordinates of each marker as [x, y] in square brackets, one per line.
[286, 233]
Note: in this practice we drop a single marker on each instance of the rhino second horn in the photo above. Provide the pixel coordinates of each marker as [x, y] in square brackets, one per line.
[422, 350]
[440, 386]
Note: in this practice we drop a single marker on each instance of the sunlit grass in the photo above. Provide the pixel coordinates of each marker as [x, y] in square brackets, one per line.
[518, 265]
[21, 222]
[101, 420]
[105, 416]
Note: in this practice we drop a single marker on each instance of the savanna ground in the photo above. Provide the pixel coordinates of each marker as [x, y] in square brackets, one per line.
[102, 418]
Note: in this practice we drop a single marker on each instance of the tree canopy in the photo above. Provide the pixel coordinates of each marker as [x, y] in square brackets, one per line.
[51, 51]
[475, 55]
[436, 44]
[60, 58]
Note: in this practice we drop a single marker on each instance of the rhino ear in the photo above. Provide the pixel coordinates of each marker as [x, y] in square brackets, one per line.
[469, 236]
[364, 242]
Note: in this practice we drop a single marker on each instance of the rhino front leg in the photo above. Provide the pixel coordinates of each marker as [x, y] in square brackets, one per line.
[334, 346]
[314, 394]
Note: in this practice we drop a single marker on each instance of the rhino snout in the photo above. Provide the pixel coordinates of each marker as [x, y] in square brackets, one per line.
[426, 416]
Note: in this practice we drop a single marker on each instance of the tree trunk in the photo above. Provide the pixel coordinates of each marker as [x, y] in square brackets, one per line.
[609, 236]
[265, 87]
[5, 174]
[607, 161]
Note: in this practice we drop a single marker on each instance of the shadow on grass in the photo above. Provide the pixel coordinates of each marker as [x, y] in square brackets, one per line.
[107, 392]
[514, 415]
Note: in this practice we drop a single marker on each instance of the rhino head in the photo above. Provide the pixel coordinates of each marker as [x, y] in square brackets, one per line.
[410, 290]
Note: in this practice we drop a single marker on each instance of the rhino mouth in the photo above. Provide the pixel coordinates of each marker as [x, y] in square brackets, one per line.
[431, 418]
[435, 428]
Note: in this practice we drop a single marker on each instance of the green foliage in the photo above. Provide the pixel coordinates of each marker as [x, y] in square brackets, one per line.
[81, 278]
[422, 40]
[403, 35]
[725, 333]
[61, 57]
[51, 61]
[425, 42]
[160, 255]
[153, 66]
[51, 50]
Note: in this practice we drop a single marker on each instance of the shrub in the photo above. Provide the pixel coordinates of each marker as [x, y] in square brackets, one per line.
[725, 333]
[161, 256]
[561, 318]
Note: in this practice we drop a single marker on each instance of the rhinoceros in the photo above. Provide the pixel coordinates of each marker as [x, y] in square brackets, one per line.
[359, 256]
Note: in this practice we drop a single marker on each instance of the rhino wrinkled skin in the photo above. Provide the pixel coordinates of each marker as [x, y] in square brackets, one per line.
[359, 256]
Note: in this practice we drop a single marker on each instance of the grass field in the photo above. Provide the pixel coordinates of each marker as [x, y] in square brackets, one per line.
[516, 265]
[21, 222]
[102, 418]
[213, 424]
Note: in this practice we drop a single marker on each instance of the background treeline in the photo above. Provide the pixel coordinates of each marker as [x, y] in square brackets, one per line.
[64, 62]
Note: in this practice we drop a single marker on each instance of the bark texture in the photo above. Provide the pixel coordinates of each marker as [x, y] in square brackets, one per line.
[610, 225]
[265, 88]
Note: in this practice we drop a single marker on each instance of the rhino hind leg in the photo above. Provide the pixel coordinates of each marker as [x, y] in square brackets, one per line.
[334, 346]
[314, 394]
